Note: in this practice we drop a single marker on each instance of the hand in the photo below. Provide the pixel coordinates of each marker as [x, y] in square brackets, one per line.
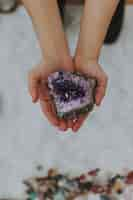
[94, 70]
[39, 91]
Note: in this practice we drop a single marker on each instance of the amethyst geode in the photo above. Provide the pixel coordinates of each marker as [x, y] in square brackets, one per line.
[72, 93]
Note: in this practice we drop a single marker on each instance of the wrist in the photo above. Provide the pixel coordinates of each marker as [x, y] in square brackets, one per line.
[81, 61]
[59, 60]
[56, 54]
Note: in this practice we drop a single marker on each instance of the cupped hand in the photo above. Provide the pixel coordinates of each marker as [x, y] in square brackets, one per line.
[93, 70]
[38, 90]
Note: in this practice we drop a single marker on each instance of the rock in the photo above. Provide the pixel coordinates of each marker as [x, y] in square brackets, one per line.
[129, 179]
[102, 177]
[105, 197]
[59, 196]
[7, 5]
[33, 196]
[72, 93]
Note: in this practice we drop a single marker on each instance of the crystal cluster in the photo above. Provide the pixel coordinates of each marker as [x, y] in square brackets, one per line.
[72, 93]
[93, 185]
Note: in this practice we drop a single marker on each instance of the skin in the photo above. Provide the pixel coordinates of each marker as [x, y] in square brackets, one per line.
[56, 55]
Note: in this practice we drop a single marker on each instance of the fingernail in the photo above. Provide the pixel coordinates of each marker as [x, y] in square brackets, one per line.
[98, 104]
[56, 124]
[74, 130]
[61, 129]
[34, 99]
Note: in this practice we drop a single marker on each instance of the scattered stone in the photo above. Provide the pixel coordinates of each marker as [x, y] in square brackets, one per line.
[98, 184]
[129, 179]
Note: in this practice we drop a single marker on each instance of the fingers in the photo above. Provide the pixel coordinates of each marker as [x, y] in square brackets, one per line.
[100, 93]
[102, 79]
[70, 123]
[63, 125]
[101, 89]
[33, 82]
[47, 109]
[51, 115]
[77, 125]
[44, 92]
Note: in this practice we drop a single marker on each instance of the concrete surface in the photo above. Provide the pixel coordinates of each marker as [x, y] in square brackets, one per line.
[27, 139]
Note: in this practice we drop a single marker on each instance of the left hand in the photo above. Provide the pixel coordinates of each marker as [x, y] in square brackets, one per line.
[94, 70]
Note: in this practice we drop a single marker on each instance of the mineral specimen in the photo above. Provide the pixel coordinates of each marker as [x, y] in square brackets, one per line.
[102, 186]
[72, 93]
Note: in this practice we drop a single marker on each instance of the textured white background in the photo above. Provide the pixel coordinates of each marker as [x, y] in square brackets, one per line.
[27, 139]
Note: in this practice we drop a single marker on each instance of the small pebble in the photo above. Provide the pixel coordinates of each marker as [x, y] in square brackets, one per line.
[129, 179]
[105, 197]
[59, 196]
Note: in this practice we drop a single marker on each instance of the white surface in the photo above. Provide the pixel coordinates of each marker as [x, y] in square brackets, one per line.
[26, 138]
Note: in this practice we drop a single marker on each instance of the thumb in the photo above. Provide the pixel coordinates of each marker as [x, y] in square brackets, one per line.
[33, 85]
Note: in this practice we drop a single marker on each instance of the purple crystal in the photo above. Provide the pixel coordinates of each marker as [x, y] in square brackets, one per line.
[72, 93]
[67, 90]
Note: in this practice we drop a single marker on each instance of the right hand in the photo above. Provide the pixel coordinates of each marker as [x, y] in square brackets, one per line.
[39, 91]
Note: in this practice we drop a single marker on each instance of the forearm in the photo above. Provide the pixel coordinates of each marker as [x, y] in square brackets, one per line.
[48, 26]
[94, 24]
